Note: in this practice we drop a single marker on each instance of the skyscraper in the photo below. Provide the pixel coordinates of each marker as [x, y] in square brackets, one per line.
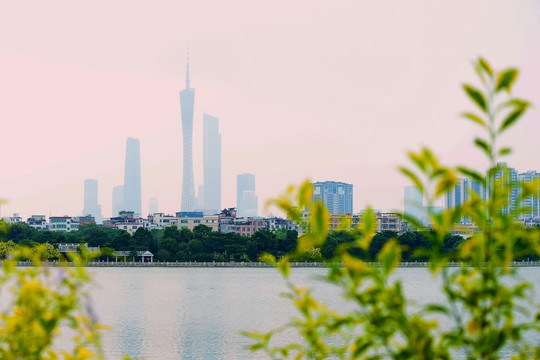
[117, 200]
[91, 206]
[187, 101]
[246, 200]
[153, 206]
[337, 196]
[211, 163]
[132, 177]
[414, 203]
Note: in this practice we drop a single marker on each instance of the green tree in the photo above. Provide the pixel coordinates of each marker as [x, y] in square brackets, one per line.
[141, 240]
[483, 295]
[21, 233]
[122, 240]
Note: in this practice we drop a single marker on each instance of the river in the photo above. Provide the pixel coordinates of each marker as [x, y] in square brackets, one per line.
[198, 313]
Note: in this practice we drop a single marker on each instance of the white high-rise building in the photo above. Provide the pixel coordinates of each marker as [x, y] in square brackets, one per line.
[414, 203]
[153, 207]
[117, 200]
[132, 177]
[211, 164]
[91, 206]
[246, 200]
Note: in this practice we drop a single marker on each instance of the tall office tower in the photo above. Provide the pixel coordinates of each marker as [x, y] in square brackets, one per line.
[211, 163]
[117, 200]
[187, 101]
[414, 203]
[337, 196]
[132, 177]
[91, 206]
[153, 206]
[246, 200]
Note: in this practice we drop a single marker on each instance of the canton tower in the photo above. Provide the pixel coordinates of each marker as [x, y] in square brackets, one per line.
[187, 100]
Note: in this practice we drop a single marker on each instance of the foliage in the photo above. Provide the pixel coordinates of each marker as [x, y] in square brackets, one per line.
[485, 297]
[46, 303]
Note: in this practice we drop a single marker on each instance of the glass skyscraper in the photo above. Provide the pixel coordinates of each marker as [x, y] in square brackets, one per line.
[132, 177]
[91, 206]
[212, 163]
[246, 200]
[187, 102]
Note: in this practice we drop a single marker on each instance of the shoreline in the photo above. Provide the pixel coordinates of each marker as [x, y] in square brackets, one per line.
[233, 264]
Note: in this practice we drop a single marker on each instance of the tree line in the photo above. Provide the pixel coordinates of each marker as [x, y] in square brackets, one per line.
[203, 244]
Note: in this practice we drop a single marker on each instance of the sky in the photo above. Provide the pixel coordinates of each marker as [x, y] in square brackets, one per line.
[319, 90]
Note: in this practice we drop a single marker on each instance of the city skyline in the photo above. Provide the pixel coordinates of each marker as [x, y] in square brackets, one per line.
[310, 90]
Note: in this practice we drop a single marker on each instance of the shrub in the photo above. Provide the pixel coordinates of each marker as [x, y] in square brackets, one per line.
[482, 295]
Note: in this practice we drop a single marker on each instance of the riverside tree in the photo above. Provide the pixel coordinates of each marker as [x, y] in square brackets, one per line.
[482, 314]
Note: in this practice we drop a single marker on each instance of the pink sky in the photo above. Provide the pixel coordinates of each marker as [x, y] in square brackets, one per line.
[306, 89]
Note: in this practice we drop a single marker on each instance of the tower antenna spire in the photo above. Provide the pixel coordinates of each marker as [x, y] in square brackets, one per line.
[187, 68]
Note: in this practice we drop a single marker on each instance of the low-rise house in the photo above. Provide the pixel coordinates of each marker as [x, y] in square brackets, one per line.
[38, 222]
[63, 223]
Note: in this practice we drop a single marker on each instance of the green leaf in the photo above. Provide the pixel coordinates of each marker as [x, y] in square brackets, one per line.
[268, 258]
[512, 118]
[476, 96]
[319, 221]
[436, 308]
[505, 151]
[505, 79]
[515, 102]
[390, 255]
[482, 144]
[447, 183]
[412, 176]
[471, 174]
[485, 66]
[475, 118]
[367, 227]
[305, 194]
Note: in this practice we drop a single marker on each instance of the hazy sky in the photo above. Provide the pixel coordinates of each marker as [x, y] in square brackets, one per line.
[325, 90]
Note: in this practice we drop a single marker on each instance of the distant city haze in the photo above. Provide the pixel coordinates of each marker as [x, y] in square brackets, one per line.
[318, 90]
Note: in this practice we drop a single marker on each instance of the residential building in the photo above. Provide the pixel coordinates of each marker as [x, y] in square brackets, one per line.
[187, 101]
[160, 221]
[246, 200]
[463, 191]
[63, 223]
[132, 177]
[38, 222]
[337, 196]
[531, 206]
[16, 218]
[509, 177]
[212, 221]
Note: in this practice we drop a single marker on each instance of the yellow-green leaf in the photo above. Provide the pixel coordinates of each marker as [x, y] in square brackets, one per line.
[475, 118]
[476, 96]
[505, 79]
